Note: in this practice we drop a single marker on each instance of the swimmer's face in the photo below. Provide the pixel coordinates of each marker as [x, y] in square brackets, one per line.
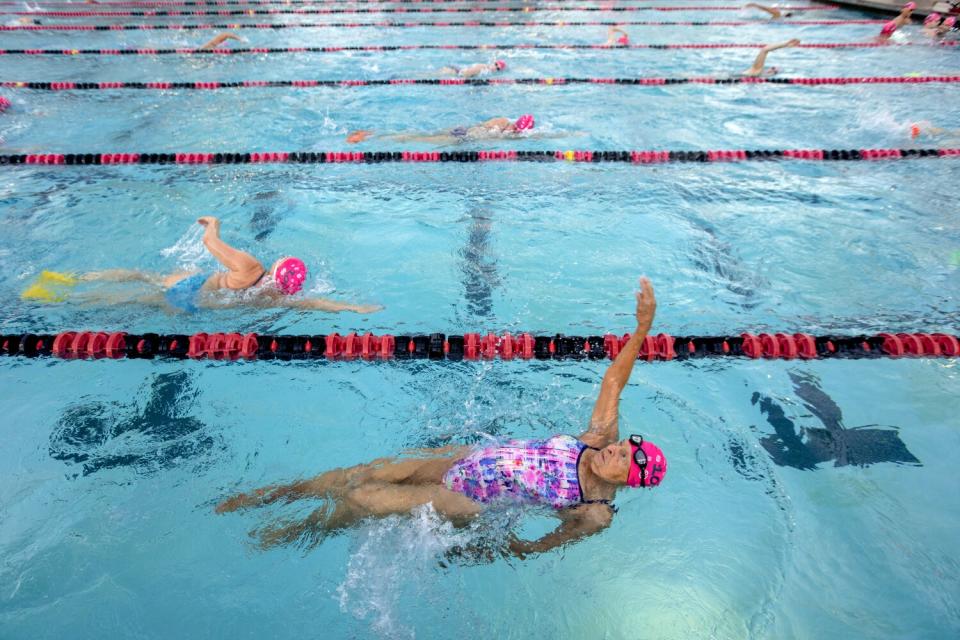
[612, 463]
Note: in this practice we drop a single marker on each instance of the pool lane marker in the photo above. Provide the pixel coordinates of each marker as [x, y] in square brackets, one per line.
[446, 47]
[472, 82]
[557, 156]
[411, 25]
[222, 3]
[76, 345]
[163, 13]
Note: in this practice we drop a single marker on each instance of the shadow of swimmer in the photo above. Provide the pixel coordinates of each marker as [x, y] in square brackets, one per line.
[807, 446]
[157, 433]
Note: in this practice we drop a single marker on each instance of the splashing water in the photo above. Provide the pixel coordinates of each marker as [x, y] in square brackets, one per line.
[391, 556]
[188, 249]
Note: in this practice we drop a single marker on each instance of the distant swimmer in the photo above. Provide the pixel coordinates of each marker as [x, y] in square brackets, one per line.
[493, 129]
[473, 70]
[245, 282]
[220, 39]
[889, 28]
[4, 104]
[927, 130]
[775, 14]
[758, 68]
[576, 477]
[617, 37]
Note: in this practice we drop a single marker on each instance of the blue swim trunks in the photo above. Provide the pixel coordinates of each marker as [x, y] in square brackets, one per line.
[184, 294]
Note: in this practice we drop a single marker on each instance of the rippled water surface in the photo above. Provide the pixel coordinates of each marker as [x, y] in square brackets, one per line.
[804, 498]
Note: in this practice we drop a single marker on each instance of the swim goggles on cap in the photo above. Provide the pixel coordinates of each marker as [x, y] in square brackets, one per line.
[639, 457]
[500, 65]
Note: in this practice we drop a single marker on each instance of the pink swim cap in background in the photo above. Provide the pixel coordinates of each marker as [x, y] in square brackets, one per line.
[4, 104]
[888, 28]
[933, 17]
[949, 22]
[656, 466]
[500, 65]
[623, 40]
[524, 122]
[289, 275]
[910, 5]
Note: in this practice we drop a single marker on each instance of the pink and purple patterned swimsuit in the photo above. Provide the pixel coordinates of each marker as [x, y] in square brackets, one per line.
[527, 471]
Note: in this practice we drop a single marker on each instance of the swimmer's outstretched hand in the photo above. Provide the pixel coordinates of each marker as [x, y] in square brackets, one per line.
[241, 501]
[211, 224]
[646, 305]
[358, 136]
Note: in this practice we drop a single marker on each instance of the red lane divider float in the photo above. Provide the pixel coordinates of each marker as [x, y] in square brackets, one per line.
[471, 346]
[405, 25]
[551, 82]
[162, 13]
[449, 47]
[377, 157]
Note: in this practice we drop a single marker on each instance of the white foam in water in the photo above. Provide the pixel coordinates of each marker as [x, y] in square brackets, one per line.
[392, 555]
[188, 249]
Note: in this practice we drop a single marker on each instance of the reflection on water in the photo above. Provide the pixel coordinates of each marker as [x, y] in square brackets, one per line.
[158, 433]
[806, 447]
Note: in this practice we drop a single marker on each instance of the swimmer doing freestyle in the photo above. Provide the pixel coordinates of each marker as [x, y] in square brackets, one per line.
[493, 129]
[252, 285]
[577, 476]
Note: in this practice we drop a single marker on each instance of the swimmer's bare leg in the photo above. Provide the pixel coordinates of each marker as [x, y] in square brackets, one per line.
[437, 139]
[123, 275]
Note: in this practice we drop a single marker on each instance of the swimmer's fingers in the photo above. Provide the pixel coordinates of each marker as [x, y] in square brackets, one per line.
[646, 304]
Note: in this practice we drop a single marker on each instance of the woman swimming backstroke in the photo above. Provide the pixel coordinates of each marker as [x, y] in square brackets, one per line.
[577, 476]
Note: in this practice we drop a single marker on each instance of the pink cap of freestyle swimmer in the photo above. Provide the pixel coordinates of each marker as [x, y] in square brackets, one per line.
[949, 22]
[656, 467]
[623, 40]
[930, 19]
[4, 104]
[500, 65]
[289, 275]
[524, 122]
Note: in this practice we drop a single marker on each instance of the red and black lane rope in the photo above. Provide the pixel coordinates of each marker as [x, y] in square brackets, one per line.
[474, 82]
[163, 13]
[443, 47]
[471, 346]
[413, 25]
[377, 157]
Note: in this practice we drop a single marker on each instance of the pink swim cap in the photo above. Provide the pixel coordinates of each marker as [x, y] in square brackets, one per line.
[933, 17]
[623, 40]
[500, 65]
[289, 275]
[888, 28]
[524, 122]
[910, 5]
[949, 22]
[4, 103]
[656, 466]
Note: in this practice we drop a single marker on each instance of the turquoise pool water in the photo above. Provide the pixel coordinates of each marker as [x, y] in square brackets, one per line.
[109, 471]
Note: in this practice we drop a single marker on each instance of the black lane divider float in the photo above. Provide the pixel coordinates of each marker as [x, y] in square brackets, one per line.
[435, 47]
[377, 157]
[471, 346]
[162, 13]
[411, 25]
[473, 82]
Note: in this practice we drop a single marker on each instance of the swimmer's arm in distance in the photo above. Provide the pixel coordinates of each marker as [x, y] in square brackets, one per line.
[220, 39]
[775, 13]
[242, 268]
[604, 426]
[578, 523]
[760, 61]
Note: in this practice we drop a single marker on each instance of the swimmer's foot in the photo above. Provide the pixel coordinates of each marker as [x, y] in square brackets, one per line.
[366, 308]
[50, 286]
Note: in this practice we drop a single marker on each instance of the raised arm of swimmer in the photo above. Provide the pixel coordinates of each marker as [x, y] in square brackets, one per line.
[775, 14]
[220, 39]
[758, 67]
